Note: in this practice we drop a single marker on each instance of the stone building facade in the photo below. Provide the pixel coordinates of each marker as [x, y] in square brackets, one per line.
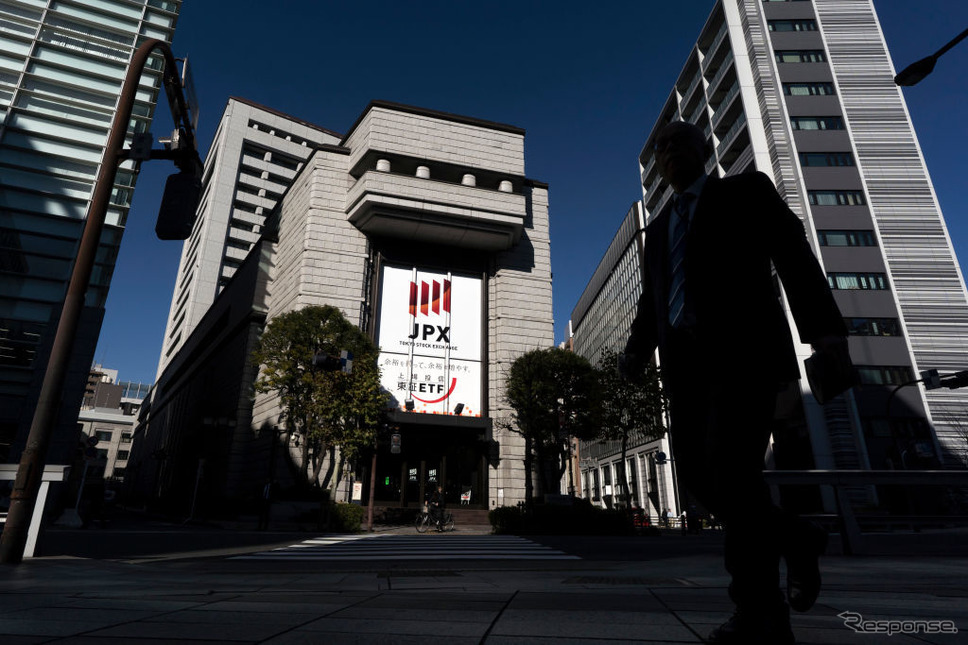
[414, 218]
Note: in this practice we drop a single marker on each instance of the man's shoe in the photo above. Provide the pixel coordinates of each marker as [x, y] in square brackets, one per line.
[749, 629]
[803, 566]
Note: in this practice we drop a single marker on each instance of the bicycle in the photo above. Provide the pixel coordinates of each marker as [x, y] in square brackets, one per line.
[423, 522]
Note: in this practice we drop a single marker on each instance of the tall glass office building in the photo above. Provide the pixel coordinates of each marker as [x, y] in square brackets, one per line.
[803, 91]
[62, 63]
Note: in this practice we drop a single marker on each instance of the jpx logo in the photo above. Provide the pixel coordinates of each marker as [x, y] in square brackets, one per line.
[430, 298]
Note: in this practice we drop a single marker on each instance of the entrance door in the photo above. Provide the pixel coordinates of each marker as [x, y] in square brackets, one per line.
[428, 457]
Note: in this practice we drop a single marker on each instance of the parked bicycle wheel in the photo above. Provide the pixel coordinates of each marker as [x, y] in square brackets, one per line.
[422, 523]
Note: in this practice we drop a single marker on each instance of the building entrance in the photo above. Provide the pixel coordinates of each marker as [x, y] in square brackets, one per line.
[432, 456]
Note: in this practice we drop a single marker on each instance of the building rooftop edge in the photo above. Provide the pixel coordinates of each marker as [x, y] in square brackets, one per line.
[447, 116]
[605, 267]
[285, 116]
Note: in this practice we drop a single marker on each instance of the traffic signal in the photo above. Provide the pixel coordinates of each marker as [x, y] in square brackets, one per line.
[930, 379]
[141, 144]
[176, 217]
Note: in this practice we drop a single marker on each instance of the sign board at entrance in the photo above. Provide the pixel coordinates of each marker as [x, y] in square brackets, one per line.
[430, 331]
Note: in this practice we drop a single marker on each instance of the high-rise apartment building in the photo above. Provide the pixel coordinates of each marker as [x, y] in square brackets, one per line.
[255, 155]
[61, 68]
[803, 91]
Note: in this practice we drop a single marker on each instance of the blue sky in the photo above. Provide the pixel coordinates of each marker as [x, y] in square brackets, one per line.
[585, 80]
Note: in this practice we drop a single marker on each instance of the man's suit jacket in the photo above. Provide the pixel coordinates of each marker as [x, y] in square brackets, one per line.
[740, 225]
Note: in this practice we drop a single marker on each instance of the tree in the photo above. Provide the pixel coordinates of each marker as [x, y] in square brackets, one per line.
[324, 409]
[631, 409]
[554, 394]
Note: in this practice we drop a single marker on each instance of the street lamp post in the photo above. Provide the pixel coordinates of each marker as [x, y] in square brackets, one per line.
[27, 483]
[915, 72]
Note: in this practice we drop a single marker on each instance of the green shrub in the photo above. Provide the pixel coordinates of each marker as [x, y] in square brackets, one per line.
[345, 518]
[580, 518]
[506, 520]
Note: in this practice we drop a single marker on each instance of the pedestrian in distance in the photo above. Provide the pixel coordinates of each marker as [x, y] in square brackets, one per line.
[265, 504]
[710, 306]
[436, 505]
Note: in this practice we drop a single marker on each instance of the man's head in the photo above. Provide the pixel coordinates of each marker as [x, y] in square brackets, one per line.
[681, 150]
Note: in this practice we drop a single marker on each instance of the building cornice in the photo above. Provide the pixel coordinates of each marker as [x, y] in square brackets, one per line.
[434, 114]
[283, 115]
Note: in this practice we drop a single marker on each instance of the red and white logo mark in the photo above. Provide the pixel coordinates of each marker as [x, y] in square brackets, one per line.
[431, 297]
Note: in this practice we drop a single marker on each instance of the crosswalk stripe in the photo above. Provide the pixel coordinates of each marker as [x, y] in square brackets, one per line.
[400, 547]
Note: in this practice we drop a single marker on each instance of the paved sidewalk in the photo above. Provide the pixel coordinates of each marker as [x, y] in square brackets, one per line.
[671, 600]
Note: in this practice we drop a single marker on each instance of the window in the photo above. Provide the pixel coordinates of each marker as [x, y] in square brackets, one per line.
[126, 437]
[884, 375]
[836, 198]
[103, 436]
[816, 159]
[873, 326]
[800, 56]
[846, 238]
[808, 89]
[123, 455]
[865, 281]
[793, 25]
[817, 123]
[906, 428]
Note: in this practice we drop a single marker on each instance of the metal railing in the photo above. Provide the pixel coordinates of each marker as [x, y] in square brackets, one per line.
[840, 480]
[723, 68]
[695, 113]
[734, 129]
[724, 104]
[8, 472]
[715, 46]
[692, 86]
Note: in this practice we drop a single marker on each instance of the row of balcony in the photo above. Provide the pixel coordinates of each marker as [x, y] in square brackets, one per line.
[715, 46]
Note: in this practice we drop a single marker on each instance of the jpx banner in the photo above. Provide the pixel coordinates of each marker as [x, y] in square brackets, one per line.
[430, 326]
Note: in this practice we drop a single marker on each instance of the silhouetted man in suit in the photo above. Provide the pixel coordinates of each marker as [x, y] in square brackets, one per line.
[710, 305]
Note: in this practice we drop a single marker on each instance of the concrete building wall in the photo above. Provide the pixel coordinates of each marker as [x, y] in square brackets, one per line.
[255, 154]
[521, 319]
[451, 141]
